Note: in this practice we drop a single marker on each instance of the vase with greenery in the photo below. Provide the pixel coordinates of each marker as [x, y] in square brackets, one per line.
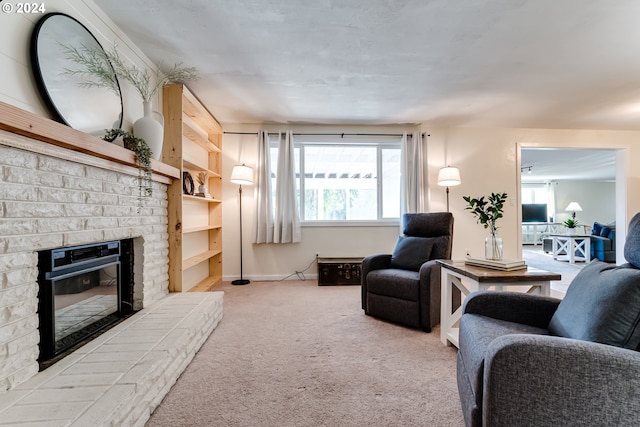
[99, 68]
[487, 213]
[571, 225]
[143, 158]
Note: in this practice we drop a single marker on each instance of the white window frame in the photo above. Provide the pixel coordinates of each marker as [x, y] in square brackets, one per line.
[300, 142]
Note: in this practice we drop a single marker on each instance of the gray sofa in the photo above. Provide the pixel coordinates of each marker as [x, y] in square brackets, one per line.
[530, 360]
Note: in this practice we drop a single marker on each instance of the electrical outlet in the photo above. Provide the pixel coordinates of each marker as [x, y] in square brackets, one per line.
[467, 252]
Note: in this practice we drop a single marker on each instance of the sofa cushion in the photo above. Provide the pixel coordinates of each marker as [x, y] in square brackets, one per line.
[411, 252]
[602, 305]
[595, 230]
[402, 284]
[604, 232]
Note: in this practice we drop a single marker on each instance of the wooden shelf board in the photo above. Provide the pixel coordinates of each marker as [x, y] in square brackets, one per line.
[203, 228]
[194, 136]
[206, 284]
[195, 260]
[201, 199]
[194, 109]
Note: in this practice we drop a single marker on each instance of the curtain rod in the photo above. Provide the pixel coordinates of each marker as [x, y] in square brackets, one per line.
[325, 134]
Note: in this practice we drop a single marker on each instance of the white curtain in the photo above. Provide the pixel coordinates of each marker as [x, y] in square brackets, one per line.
[414, 183]
[264, 206]
[287, 218]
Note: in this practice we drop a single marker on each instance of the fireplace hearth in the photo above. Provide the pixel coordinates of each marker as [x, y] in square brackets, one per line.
[83, 290]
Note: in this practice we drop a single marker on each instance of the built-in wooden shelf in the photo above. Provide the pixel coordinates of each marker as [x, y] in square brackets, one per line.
[203, 228]
[197, 259]
[21, 122]
[193, 143]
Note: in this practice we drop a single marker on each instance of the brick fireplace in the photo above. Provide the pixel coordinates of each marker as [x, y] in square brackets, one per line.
[50, 197]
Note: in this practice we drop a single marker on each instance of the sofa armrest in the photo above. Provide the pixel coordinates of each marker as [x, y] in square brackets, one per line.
[532, 310]
[548, 380]
[370, 263]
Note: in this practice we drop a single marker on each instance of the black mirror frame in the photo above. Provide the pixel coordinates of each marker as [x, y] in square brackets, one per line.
[58, 115]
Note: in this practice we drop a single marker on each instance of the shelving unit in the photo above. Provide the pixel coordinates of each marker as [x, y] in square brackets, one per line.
[193, 144]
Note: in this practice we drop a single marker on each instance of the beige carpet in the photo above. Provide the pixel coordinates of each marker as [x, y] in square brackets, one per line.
[296, 354]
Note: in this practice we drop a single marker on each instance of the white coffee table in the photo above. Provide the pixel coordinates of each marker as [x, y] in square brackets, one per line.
[571, 247]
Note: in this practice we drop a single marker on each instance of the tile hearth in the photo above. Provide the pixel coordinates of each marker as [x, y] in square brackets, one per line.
[121, 376]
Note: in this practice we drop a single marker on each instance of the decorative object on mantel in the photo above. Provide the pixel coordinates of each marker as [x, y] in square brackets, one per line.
[143, 157]
[146, 127]
[202, 188]
[487, 213]
[241, 175]
[187, 184]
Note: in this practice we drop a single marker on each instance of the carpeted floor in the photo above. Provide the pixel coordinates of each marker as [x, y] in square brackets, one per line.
[296, 354]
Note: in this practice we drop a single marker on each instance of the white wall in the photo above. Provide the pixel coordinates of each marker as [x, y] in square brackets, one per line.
[596, 198]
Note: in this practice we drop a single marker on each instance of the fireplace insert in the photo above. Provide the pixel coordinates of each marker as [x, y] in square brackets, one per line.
[83, 290]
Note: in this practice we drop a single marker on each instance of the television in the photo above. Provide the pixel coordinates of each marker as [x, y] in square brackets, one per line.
[534, 212]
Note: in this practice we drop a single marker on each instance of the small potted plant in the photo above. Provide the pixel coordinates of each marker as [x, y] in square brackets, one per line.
[143, 157]
[487, 213]
[571, 225]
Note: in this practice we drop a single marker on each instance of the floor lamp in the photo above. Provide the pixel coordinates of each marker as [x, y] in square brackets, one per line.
[241, 175]
[449, 177]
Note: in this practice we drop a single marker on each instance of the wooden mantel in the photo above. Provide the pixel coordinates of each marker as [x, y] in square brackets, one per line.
[21, 122]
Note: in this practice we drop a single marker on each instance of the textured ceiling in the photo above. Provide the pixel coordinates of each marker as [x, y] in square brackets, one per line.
[506, 63]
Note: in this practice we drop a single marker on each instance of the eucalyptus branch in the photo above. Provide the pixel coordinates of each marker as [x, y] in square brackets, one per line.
[97, 71]
[102, 66]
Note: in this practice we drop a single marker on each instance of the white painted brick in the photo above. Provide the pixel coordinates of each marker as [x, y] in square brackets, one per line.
[17, 260]
[101, 199]
[33, 210]
[60, 225]
[102, 174]
[34, 242]
[18, 226]
[21, 276]
[16, 294]
[101, 222]
[20, 327]
[17, 157]
[18, 192]
[82, 210]
[58, 195]
[82, 237]
[64, 167]
[84, 184]
[33, 178]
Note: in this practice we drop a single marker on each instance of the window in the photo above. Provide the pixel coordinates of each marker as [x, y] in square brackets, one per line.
[346, 181]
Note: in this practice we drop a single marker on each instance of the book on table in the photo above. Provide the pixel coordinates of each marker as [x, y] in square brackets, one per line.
[504, 264]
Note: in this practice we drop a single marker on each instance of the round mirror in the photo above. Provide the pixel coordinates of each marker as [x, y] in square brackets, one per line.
[89, 109]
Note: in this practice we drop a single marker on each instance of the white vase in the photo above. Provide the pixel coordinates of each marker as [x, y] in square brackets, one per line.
[151, 130]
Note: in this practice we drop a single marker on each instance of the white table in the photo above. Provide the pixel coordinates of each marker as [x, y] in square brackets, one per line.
[456, 275]
[571, 247]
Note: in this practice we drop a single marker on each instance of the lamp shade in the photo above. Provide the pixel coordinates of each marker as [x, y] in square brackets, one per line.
[449, 177]
[242, 174]
[574, 206]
